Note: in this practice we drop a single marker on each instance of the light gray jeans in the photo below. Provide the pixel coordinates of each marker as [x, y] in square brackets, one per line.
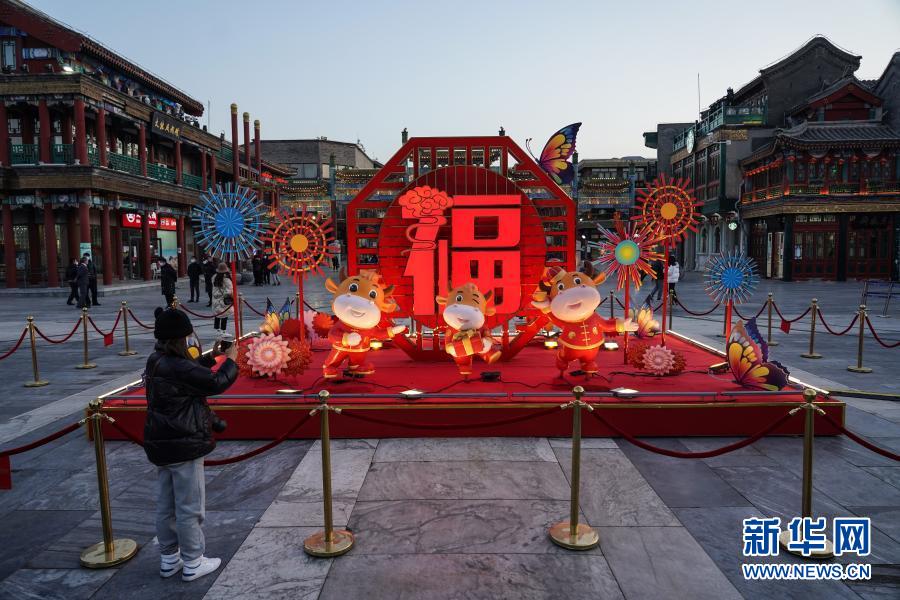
[181, 508]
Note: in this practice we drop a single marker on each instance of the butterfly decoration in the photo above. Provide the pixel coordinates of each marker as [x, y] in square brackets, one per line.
[274, 319]
[555, 155]
[647, 325]
[748, 357]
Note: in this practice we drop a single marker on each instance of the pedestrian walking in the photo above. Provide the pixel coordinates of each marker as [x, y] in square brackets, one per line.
[673, 276]
[194, 271]
[256, 263]
[274, 271]
[71, 276]
[82, 282]
[266, 271]
[178, 433]
[209, 270]
[167, 278]
[222, 299]
[92, 278]
[657, 266]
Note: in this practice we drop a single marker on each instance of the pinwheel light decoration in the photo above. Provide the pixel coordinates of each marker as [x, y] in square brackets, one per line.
[299, 242]
[668, 208]
[731, 277]
[628, 251]
[230, 222]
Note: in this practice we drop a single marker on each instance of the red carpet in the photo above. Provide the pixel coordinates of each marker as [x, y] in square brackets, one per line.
[677, 407]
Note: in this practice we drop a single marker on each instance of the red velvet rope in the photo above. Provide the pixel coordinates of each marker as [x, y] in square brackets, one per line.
[878, 339]
[247, 304]
[794, 320]
[16, 345]
[45, 440]
[435, 427]
[60, 341]
[697, 314]
[738, 313]
[230, 459]
[138, 321]
[861, 441]
[705, 454]
[100, 331]
[831, 331]
[199, 316]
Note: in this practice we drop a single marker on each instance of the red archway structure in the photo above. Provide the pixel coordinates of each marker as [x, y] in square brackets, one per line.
[450, 210]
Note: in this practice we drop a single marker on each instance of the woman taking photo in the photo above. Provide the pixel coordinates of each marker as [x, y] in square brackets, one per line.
[178, 434]
[222, 299]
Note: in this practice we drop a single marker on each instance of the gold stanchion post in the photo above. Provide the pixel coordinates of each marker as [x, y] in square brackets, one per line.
[110, 552]
[859, 368]
[174, 301]
[37, 382]
[127, 351]
[814, 313]
[330, 542]
[571, 534]
[87, 364]
[612, 305]
[809, 397]
[671, 310]
[240, 309]
[769, 303]
[299, 308]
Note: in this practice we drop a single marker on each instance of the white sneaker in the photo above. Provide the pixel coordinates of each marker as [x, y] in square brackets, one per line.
[170, 564]
[200, 567]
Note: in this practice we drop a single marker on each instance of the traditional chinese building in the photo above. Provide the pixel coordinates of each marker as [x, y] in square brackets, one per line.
[822, 198]
[606, 187]
[97, 154]
[710, 152]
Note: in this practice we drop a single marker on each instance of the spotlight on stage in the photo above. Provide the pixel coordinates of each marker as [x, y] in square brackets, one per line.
[610, 346]
[413, 393]
[287, 391]
[376, 344]
[551, 343]
[721, 367]
[621, 392]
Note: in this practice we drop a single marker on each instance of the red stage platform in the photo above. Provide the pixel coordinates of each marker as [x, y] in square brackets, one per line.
[693, 403]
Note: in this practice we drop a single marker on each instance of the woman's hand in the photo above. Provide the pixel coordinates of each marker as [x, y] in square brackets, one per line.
[232, 352]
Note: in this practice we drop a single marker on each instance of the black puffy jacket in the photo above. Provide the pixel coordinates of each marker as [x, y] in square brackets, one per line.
[178, 426]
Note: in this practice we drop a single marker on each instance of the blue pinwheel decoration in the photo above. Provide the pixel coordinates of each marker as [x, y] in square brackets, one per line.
[731, 277]
[230, 222]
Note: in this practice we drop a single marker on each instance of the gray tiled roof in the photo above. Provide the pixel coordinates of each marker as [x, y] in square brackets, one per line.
[839, 131]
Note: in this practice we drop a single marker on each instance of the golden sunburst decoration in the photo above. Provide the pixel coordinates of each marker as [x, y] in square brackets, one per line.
[668, 208]
[628, 251]
[299, 242]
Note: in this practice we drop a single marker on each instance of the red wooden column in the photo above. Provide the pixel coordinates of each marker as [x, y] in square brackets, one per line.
[212, 170]
[50, 244]
[9, 246]
[117, 245]
[247, 140]
[4, 136]
[106, 240]
[145, 244]
[235, 149]
[84, 221]
[142, 148]
[203, 180]
[34, 248]
[44, 118]
[72, 234]
[183, 257]
[101, 147]
[256, 145]
[178, 164]
[80, 132]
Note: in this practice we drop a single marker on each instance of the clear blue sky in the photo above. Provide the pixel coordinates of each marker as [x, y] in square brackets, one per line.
[367, 69]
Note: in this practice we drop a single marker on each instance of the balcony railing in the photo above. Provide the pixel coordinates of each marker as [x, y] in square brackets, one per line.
[121, 162]
[93, 156]
[23, 154]
[872, 188]
[225, 153]
[161, 173]
[192, 181]
[63, 154]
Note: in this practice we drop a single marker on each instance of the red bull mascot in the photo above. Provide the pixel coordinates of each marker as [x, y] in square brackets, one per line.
[570, 299]
[465, 309]
[360, 305]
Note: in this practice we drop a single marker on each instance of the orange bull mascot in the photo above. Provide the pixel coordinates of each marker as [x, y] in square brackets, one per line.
[359, 304]
[465, 309]
[569, 301]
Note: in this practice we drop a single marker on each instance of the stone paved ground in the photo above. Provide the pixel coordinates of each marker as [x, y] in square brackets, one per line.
[444, 518]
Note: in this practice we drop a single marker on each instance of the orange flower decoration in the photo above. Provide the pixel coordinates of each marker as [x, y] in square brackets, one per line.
[425, 201]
